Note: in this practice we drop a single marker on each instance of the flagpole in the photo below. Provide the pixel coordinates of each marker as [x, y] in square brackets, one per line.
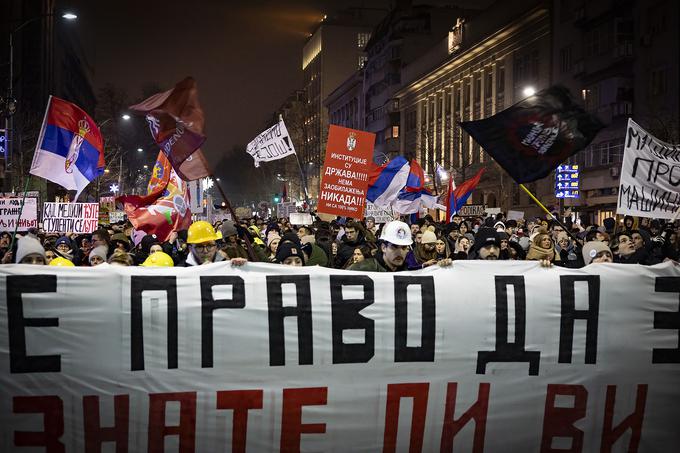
[21, 208]
[249, 246]
[566, 230]
[303, 177]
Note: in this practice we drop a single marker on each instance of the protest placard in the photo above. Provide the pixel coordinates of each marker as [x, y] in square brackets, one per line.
[515, 215]
[345, 175]
[650, 176]
[9, 213]
[285, 209]
[116, 216]
[381, 215]
[70, 217]
[301, 218]
[487, 357]
[472, 210]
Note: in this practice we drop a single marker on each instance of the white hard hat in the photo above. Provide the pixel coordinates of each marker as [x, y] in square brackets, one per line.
[396, 232]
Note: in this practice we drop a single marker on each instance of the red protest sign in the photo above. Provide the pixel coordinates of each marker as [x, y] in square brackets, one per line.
[345, 175]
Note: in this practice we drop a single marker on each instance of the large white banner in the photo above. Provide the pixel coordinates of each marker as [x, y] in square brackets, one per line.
[272, 144]
[650, 176]
[479, 357]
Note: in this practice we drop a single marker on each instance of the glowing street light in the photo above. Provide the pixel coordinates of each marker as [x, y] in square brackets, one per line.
[69, 16]
[529, 91]
[139, 150]
[126, 117]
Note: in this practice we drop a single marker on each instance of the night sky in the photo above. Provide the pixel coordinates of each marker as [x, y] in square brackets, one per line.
[245, 56]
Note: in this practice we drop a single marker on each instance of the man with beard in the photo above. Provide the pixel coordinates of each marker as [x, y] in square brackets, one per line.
[424, 254]
[487, 245]
[395, 242]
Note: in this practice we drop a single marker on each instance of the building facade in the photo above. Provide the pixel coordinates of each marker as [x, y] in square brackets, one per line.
[404, 35]
[622, 58]
[334, 51]
[48, 59]
[481, 67]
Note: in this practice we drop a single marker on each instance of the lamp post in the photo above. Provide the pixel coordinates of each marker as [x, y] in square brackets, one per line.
[10, 101]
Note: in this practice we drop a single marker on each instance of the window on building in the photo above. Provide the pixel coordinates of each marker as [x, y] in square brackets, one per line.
[447, 102]
[599, 40]
[656, 19]
[591, 97]
[362, 39]
[411, 119]
[658, 81]
[488, 85]
[500, 79]
[565, 59]
[478, 89]
[395, 131]
[362, 61]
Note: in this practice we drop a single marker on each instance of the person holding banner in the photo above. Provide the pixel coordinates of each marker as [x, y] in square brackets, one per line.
[395, 241]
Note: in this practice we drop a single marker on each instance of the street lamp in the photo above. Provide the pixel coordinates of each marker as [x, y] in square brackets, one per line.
[126, 117]
[529, 91]
[139, 150]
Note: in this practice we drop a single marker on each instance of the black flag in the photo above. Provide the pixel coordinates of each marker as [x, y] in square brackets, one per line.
[531, 138]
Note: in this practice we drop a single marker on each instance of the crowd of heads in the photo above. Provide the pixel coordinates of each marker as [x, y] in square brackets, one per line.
[358, 245]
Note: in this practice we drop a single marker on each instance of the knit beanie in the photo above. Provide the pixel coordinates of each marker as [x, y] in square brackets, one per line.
[271, 236]
[63, 240]
[287, 249]
[428, 238]
[591, 249]
[27, 246]
[100, 251]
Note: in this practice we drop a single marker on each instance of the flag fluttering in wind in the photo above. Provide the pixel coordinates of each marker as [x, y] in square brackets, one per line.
[531, 138]
[414, 195]
[272, 144]
[386, 181]
[176, 122]
[165, 208]
[459, 195]
[70, 149]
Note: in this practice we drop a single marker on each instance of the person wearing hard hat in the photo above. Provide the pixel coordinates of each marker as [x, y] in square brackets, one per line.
[59, 261]
[395, 243]
[158, 259]
[202, 239]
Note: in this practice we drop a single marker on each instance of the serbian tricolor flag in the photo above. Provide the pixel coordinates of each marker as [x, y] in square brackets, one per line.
[386, 181]
[459, 195]
[70, 149]
[165, 208]
[414, 196]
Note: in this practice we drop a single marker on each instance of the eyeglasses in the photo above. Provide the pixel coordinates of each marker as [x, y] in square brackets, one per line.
[205, 247]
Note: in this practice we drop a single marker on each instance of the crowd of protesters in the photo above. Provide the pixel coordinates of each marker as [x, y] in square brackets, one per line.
[358, 245]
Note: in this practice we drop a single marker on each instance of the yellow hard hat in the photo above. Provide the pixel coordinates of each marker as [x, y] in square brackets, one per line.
[158, 259]
[59, 261]
[202, 231]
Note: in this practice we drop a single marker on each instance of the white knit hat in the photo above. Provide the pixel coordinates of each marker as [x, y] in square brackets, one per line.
[100, 251]
[28, 246]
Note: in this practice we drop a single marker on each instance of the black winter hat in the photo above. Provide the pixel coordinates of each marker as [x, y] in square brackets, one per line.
[289, 249]
[486, 236]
